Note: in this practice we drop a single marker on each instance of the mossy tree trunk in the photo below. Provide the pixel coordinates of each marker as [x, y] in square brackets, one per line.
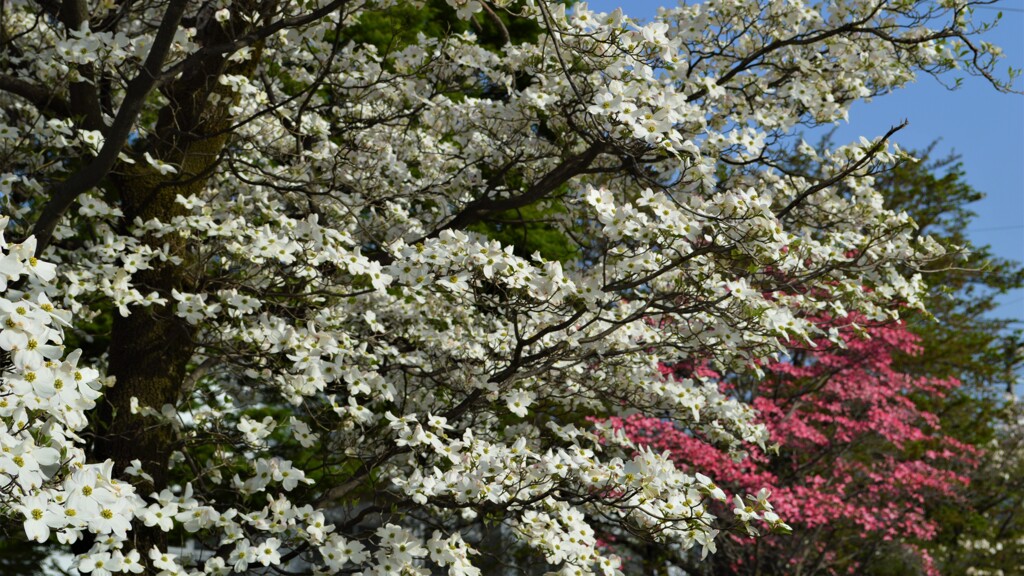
[151, 349]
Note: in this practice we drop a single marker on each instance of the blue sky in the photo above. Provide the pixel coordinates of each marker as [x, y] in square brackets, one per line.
[983, 126]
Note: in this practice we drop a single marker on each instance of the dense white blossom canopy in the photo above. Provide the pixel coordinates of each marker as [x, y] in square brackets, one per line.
[278, 246]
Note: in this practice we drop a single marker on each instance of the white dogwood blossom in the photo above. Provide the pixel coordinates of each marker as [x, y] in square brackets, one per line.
[369, 306]
[43, 399]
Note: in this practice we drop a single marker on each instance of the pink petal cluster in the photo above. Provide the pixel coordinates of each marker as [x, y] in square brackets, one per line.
[860, 457]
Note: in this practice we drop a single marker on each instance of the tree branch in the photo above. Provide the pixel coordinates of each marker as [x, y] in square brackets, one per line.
[84, 102]
[476, 210]
[43, 99]
[838, 177]
[251, 38]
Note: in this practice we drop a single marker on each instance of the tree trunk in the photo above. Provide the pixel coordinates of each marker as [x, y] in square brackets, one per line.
[151, 349]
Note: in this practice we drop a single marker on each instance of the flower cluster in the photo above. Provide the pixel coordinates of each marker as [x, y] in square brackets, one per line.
[824, 415]
[44, 395]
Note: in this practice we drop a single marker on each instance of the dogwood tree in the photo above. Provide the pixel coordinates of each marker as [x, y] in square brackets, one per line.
[274, 241]
[854, 464]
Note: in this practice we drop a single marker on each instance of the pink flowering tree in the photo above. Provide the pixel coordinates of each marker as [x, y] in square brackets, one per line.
[855, 463]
